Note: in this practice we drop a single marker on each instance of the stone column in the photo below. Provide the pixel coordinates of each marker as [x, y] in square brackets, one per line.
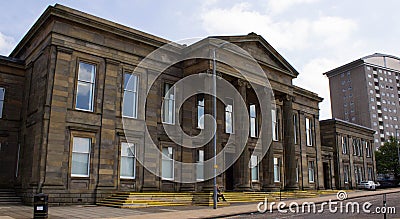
[288, 140]
[241, 167]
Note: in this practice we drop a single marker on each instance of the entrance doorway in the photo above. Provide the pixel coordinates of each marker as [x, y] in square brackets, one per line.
[327, 176]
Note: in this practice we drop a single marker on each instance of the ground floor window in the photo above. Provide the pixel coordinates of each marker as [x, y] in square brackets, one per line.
[311, 171]
[80, 157]
[370, 173]
[200, 165]
[254, 168]
[167, 166]
[128, 162]
[277, 169]
[346, 173]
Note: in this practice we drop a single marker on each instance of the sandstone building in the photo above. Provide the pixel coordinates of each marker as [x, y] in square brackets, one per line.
[61, 104]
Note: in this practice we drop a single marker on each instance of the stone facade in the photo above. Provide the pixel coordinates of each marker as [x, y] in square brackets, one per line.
[42, 79]
[347, 152]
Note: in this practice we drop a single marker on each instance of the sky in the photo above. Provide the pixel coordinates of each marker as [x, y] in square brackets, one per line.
[314, 36]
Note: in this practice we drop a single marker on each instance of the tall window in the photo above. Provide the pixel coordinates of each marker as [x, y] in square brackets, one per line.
[253, 121]
[80, 157]
[129, 108]
[309, 134]
[311, 171]
[368, 148]
[346, 173]
[200, 111]
[354, 147]
[200, 165]
[2, 95]
[169, 104]
[229, 116]
[344, 144]
[85, 87]
[295, 129]
[254, 168]
[370, 173]
[128, 162]
[360, 147]
[297, 170]
[275, 125]
[167, 165]
[277, 169]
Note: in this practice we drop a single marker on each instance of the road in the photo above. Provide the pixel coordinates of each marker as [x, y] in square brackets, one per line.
[392, 203]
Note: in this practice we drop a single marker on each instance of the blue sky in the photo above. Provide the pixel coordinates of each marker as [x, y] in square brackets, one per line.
[313, 35]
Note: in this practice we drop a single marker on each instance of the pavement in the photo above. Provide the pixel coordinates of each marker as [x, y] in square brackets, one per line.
[92, 211]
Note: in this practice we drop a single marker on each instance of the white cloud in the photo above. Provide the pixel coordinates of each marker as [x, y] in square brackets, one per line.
[6, 44]
[279, 6]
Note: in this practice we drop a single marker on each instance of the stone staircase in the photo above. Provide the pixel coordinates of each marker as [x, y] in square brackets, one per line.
[9, 197]
[150, 199]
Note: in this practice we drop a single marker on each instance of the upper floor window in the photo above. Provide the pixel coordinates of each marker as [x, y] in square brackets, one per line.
[85, 87]
[275, 125]
[309, 134]
[253, 121]
[200, 111]
[128, 163]
[130, 100]
[368, 148]
[295, 129]
[229, 116]
[80, 157]
[2, 95]
[344, 144]
[169, 104]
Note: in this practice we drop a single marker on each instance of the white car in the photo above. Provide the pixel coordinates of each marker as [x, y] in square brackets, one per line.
[370, 185]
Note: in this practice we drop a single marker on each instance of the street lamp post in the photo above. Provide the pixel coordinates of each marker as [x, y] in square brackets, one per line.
[215, 196]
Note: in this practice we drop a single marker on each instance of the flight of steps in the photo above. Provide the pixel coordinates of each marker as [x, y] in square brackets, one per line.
[9, 197]
[150, 199]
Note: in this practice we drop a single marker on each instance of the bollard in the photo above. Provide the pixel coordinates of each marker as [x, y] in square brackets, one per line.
[384, 205]
[40, 206]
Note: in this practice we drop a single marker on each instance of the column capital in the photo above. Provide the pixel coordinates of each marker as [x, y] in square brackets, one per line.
[286, 97]
[243, 83]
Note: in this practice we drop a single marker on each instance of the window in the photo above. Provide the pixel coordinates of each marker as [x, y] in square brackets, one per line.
[85, 87]
[368, 148]
[254, 168]
[277, 169]
[167, 165]
[344, 144]
[200, 165]
[200, 111]
[128, 163]
[354, 147]
[129, 108]
[295, 129]
[169, 104]
[309, 135]
[370, 173]
[346, 173]
[253, 121]
[2, 95]
[297, 170]
[80, 157]
[311, 171]
[275, 125]
[229, 116]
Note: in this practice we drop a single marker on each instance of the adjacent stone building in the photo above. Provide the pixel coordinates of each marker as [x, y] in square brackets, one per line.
[61, 129]
[347, 154]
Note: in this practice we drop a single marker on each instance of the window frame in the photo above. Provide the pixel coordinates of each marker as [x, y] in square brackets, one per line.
[275, 124]
[253, 118]
[88, 158]
[2, 100]
[277, 168]
[173, 104]
[309, 132]
[344, 145]
[254, 158]
[170, 160]
[135, 92]
[198, 106]
[134, 161]
[311, 177]
[295, 128]
[92, 83]
[199, 164]
[231, 115]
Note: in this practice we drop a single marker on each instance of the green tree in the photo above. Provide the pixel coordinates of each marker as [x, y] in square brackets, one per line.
[387, 160]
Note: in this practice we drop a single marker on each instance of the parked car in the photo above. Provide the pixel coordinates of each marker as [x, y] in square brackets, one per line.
[387, 184]
[370, 185]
